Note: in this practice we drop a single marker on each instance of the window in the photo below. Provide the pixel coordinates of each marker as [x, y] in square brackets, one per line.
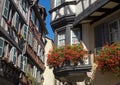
[38, 77]
[61, 38]
[16, 21]
[41, 55]
[6, 8]
[99, 36]
[13, 55]
[35, 45]
[24, 68]
[19, 61]
[30, 39]
[57, 3]
[25, 31]
[114, 31]
[33, 16]
[34, 71]
[75, 36]
[39, 49]
[24, 5]
[1, 46]
[37, 25]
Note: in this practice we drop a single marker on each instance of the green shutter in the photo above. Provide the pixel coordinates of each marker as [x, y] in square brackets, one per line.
[1, 46]
[6, 8]
[21, 62]
[25, 31]
[16, 21]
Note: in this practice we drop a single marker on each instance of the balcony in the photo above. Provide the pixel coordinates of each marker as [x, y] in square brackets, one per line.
[70, 62]
[69, 72]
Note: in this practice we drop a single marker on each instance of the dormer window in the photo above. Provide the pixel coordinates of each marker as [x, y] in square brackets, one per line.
[57, 3]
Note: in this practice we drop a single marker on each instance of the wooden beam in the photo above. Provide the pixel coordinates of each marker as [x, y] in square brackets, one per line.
[103, 9]
[117, 1]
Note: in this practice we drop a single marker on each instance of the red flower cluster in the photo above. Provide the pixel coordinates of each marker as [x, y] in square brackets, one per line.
[109, 58]
[65, 53]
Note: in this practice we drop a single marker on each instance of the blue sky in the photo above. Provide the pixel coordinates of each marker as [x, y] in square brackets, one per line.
[46, 4]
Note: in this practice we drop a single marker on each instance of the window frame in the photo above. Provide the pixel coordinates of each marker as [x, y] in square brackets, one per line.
[37, 24]
[39, 50]
[59, 38]
[16, 21]
[24, 69]
[75, 36]
[6, 8]
[35, 46]
[24, 5]
[2, 47]
[112, 33]
[33, 16]
[25, 34]
[14, 55]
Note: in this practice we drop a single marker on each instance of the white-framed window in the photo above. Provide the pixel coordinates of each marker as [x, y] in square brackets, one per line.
[39, 50]
[2, 41]
[25, 31]
[75, 36]
[57, 3]
[35, 45]
[19, 61]
[14, 55]
[33, 16]
[61, 38]
[16, 21]
[6, 8]
[30, 39]
[24, 64]
[37, 24]
[38, 77]
[34, 71]
[114, 29]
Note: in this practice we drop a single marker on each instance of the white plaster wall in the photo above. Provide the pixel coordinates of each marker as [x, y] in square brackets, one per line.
[82, 5]
[71, 9]
[48, 73]
[62, 12]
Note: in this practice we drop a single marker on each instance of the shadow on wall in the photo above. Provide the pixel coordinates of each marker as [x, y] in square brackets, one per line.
[107, 78]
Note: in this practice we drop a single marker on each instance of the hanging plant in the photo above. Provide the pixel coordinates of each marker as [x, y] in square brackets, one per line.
[66, 54]
[109, 59]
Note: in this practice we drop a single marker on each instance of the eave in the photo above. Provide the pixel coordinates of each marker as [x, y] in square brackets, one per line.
[97, 11]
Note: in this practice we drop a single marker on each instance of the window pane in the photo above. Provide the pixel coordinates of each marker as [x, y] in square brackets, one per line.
[16, 21]
[33, 16]
[37, 24]
[114, 31]
[75, 36]
[61, 38]
[25, 31]
[57, 2]
[1, 52]
[6, 8]
[1, 46]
